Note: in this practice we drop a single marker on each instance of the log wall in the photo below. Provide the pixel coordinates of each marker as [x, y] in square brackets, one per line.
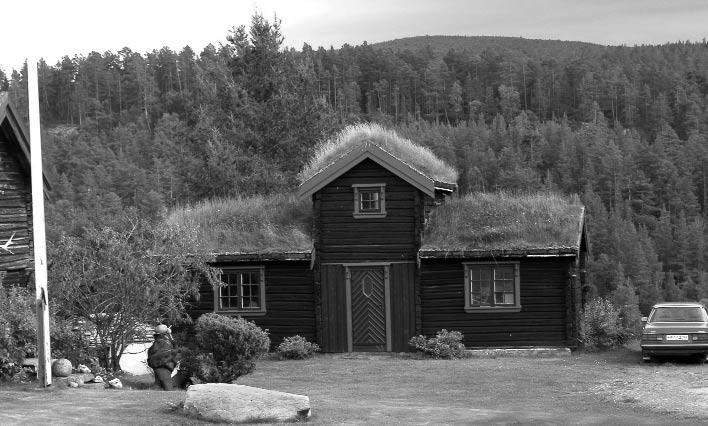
[15, 213]
[543, 318]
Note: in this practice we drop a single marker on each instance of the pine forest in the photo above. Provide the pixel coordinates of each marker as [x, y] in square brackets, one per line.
[625, 128]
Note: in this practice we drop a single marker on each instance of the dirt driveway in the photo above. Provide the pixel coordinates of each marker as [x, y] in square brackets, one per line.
[610, 388]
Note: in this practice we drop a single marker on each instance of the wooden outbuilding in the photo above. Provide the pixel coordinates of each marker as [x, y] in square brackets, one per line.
[16, 256]
[394, 253]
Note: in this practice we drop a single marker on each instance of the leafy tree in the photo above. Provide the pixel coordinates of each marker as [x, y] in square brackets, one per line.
[119, 279]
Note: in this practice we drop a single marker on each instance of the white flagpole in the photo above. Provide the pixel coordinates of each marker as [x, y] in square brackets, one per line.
[44, 368]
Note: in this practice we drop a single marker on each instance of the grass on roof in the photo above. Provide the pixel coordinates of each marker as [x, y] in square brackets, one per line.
[416, 156]
[258, 224]
[504, 221]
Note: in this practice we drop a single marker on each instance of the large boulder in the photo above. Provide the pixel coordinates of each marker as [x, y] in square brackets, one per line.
[61, 368]
[222, 402]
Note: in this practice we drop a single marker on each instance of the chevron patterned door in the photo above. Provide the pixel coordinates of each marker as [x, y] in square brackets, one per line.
[368, 308]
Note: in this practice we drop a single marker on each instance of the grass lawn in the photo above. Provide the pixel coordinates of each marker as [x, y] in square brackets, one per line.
[608, 388]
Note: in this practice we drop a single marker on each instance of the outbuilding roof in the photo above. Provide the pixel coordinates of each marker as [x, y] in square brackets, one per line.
[506, 225]
[278, 227]
[255, 228]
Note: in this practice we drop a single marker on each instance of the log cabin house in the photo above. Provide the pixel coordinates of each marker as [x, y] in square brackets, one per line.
[376, 247]
[16, 255]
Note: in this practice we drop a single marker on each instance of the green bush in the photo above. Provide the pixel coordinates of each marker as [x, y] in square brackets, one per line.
[69, 339]
[445, 344]
[17, 331]
[296, 347]
[601, 326]
[227, 348]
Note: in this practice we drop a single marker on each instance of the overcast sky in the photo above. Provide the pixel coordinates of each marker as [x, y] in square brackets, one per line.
[54, 28]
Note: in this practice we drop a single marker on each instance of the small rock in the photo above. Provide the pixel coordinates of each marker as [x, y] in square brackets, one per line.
[75, 381]
[115, 384]
[83, 369]
[98, 379]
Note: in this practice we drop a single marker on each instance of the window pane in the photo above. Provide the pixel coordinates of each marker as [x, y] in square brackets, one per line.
[369, 200]
[254, 300]
[486, 297]
[504, 273]
[506, 286]
[250, 290]
[228, 293]
[509, 298]
[481, 286]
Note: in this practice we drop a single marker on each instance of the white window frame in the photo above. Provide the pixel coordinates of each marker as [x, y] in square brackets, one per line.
[516, 307]
[359, 188]
[261, 310]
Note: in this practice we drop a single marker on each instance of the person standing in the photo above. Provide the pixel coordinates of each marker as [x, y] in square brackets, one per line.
[161, 357]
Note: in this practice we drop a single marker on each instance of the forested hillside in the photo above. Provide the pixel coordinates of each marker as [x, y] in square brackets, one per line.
[624, 127]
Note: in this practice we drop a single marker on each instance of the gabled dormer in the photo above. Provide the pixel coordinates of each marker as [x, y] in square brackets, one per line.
[371, 192]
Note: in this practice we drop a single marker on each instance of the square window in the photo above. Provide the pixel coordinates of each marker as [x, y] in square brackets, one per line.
[369, 200]
[242, 291]
[492, 286]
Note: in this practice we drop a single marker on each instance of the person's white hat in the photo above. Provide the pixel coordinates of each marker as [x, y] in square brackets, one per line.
[162, 329]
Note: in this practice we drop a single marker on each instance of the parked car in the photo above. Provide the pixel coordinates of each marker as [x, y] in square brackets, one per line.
[675, 329]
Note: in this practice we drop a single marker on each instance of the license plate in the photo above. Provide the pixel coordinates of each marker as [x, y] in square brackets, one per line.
[677, 337]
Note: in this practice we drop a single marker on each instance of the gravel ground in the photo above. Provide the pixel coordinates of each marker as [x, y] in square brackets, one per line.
[675, 387]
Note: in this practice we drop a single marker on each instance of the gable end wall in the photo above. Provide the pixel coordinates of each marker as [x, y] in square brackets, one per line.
[343, 239]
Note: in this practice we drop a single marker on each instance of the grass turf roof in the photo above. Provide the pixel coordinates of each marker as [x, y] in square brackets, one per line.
[260, 224]
[418, 157]
[504, 222]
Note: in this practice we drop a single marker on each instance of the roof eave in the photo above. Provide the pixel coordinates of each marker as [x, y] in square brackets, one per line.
[371, 151]
[21, 136]
[259, 256]
[507, 253]
[445, 186]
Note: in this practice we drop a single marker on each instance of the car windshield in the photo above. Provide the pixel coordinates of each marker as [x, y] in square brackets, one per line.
[678, 314]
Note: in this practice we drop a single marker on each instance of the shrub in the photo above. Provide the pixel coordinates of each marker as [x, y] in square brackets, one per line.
[296, 347]
[601, 326]
[17, 330]
[69, 339]
[227, 348]
[445, 344]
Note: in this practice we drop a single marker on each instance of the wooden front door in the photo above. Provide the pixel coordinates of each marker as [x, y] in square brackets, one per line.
[369, 319]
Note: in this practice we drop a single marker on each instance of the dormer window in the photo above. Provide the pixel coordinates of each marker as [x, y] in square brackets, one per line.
[369, 200]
